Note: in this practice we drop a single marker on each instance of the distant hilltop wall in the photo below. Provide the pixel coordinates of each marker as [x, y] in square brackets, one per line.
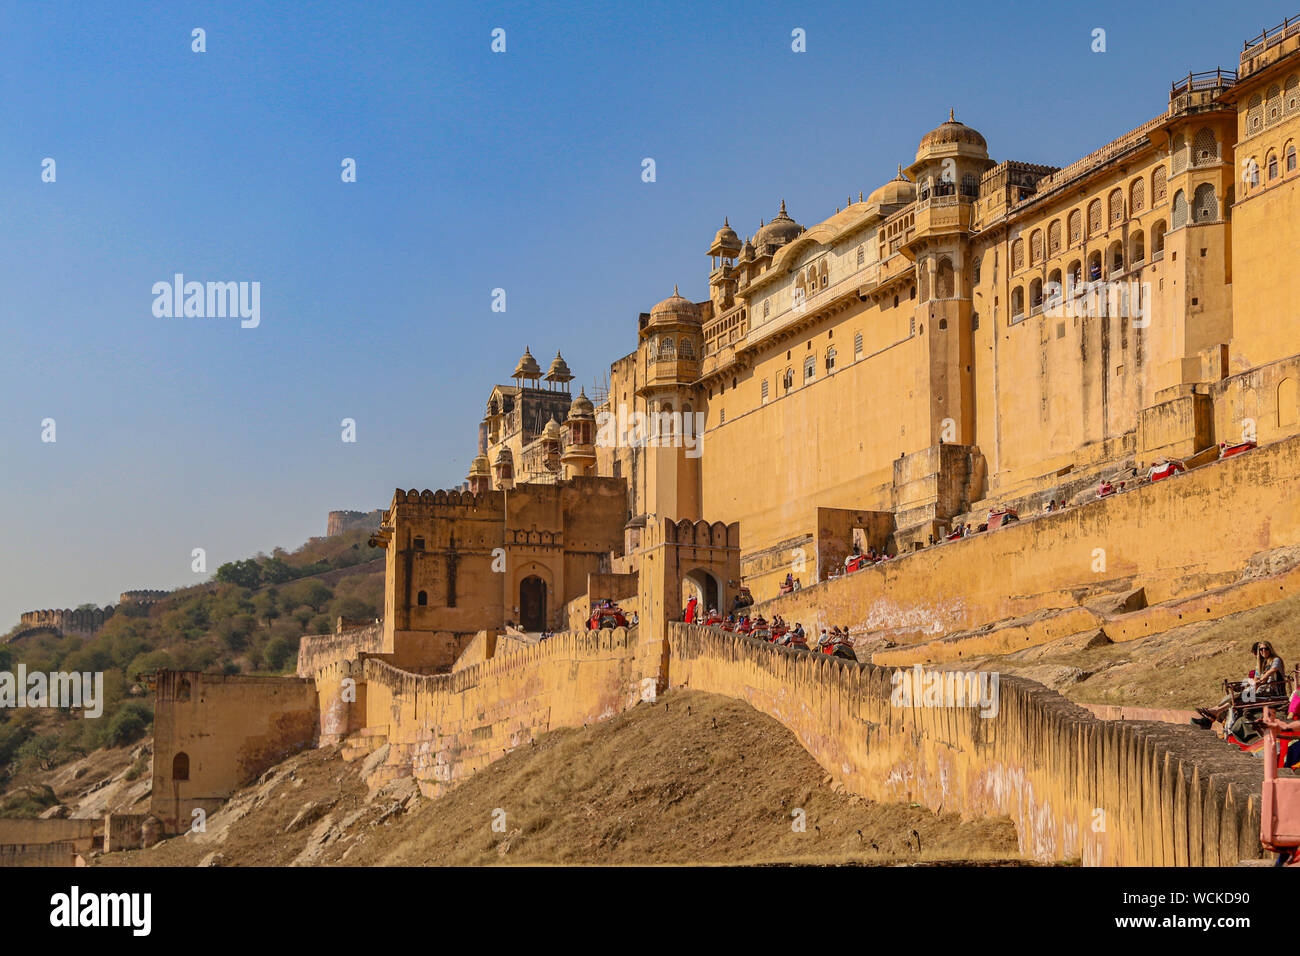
[141, 597]
[81, 621]
[341, 521]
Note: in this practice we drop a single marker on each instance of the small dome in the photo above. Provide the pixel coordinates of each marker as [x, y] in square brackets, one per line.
[552, 431]
[726, 236]
[581, 408]
[478, 468]
[504, 457]
[748, 251]
[559, 371]
[951, 132]
[675, 308]
[899, 190]
[527, 367]
[778, 232]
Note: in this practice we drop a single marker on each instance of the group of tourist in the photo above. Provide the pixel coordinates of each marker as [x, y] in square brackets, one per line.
[1241, 710]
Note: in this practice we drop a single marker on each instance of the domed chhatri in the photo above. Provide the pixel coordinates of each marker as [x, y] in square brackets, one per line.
[778, 232]
[898, 191]
[505, 456]
[527, 367]
[582, 408]
[726, 237]
[559, 370]
[552, 431]
[675, 308]
[952, 132]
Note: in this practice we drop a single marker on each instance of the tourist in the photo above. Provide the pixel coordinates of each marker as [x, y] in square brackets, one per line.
[1269, 678]
[634, 620]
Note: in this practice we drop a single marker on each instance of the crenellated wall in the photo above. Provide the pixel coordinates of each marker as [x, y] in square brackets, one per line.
[441, 728]
[1104, 792]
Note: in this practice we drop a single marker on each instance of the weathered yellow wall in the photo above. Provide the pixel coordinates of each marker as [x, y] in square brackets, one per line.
[441, 728]
[1159, 797]
[1173, 537]
[231, 727]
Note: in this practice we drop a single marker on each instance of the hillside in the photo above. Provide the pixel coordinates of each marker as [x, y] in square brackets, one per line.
[248, 619]
[695, 778]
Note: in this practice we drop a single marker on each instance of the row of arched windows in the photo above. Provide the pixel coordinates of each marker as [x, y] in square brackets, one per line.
[1101, 216]
[1277, 164]
[670, 348]
[1074, 281]
[1280, 100]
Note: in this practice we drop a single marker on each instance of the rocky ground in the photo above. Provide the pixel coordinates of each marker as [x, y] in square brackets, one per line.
[1176, 669]
[695, 778]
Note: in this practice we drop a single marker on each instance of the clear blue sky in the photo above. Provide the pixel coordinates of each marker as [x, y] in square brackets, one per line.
[475, 171]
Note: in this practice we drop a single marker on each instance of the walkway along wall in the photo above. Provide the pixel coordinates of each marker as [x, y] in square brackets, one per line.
[1106, 793]
[441, 728]
[1175, 538]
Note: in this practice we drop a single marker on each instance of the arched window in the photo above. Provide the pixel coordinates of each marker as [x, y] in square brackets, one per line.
[1290, 158]
[1094, 267]
[1035, 295]
[969, 185]
[824, 274]
[1017, 302]
[1252, 172]
[1180, 210]
[1074, 274]
[667, 347]
[830, 358]
[1036, 247]
[1158, 237]
[1116, 206]
[1017, 255]
[1116, 257]
[1205, 148]
[181, 766]
[1076, 226]
[1271, 164]
[1137, 195]
[1158, 185]
[687, 348]
[1178, 155]
[1137, 247]
[1054, 291]
[1254, 114]
[422, 599]
[1205, 204]
[862, 254]
[809, 369]
[1054, 238]
[1094, 217]
[1291, 93]
[1273, 105]
[945, 279]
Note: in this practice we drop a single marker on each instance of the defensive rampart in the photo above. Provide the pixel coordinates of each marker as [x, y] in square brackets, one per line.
[443, 727]
[1175, 538]
[1103, 792]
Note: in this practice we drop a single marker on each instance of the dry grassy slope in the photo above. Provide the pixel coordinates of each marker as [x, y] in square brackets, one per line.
[1179, 668]
[695, 778]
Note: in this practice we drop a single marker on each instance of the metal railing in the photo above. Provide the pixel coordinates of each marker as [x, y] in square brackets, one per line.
[1288, 27]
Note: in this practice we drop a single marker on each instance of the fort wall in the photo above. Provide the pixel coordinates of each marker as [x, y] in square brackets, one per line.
[261, 720]
[442, 728]
[1174, 538]
[1105, 793]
